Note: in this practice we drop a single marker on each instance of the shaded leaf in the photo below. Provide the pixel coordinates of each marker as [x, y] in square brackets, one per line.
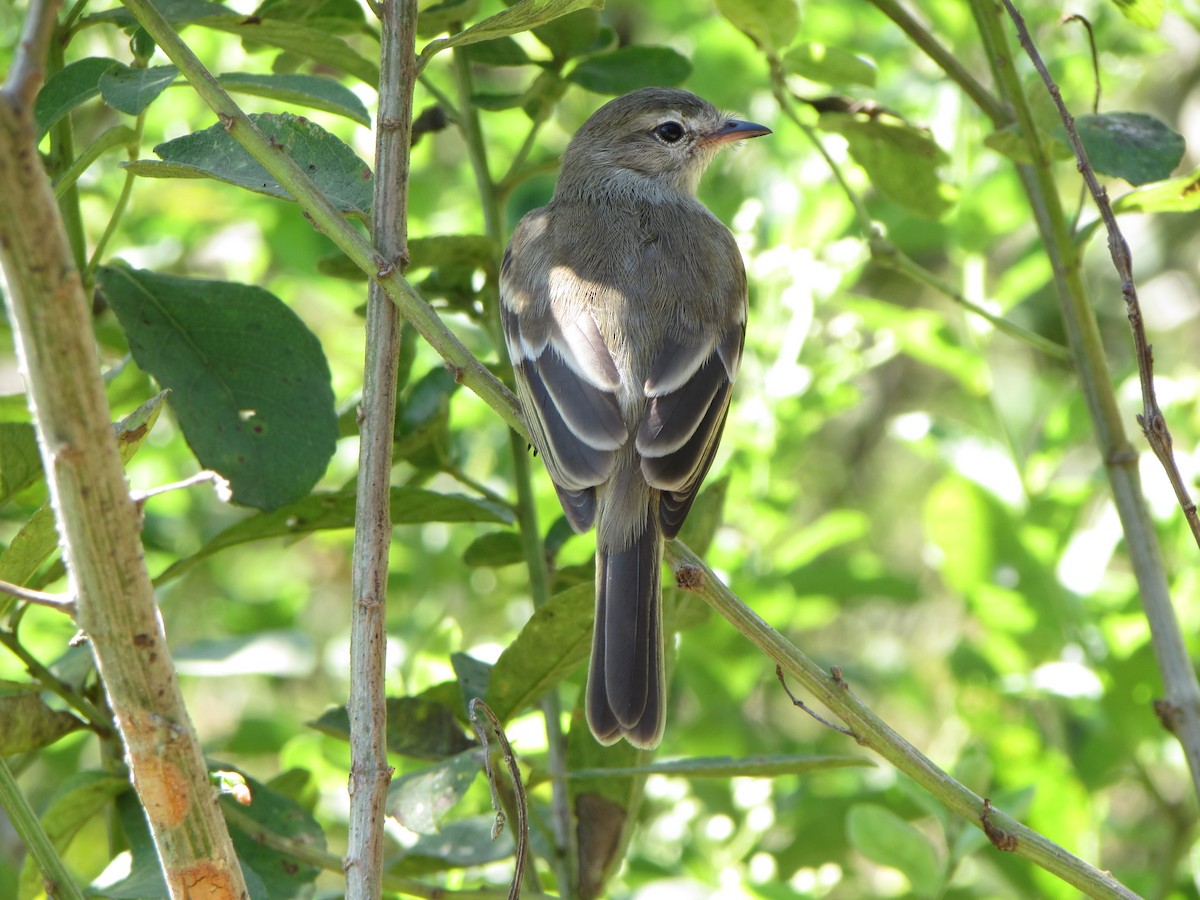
[901, 160]
[308, 41]
[440, 17]
[464, 842]
[420, 800]
[630, 68]
[67, 88]
[772, 24]
[331, 164]
[327, 511]
[494, 550]
[453, 249]
[829, 65]
[313, 91]
[502, 51]
[885, 838]
[415, 727]
[20, 461]
[1133, 146]
[281, 874]
[550, 647]
[473, 676]
[249, 381]
[497, 102]
[573, 35]
[422, 427]
[29, 724]
[131, 90]
[177, 12]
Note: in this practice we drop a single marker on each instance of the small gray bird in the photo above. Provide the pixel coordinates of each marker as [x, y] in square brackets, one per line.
[624, 311]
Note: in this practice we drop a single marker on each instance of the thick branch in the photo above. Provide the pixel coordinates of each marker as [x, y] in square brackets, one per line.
[97, 520]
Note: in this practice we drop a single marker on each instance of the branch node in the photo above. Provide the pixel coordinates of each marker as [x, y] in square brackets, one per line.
[1001, 839]
[1169, 715]
[691, 579]
[227, 121]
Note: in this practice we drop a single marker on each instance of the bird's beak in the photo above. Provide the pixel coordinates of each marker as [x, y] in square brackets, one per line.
[734, 130]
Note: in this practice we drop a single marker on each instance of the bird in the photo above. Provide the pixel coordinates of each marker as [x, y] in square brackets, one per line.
[623, 304]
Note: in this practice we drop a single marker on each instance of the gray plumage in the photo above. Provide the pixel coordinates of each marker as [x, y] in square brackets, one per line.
[624, 310]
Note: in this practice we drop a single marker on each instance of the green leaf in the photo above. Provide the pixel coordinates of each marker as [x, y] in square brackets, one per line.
[29, 724]
[503, 51]
[728, 767]
[829, 65]
[304, 40]
[249, 381]
[453, 249]
[572, 35]
[67, 88]
[459, 844]
[420, 800]
[330, 163]
[901, 160]
[885, 838]
[441, 17]
[772, 24]
[1144, 13]
[517, 18]
[20, 461]
[79, 798]
[132, 90]
[177, 12]
[282, 875]
[1133, 146]
[328, 511]
[313, 91]
[550, 647]
[497, 102]
[630, 68]
[338, 15]
[422, 428]
[416, 727]
[1010, 142]
[493, 550]
[1180, 194]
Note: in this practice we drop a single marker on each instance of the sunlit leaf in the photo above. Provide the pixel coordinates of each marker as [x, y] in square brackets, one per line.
[131, 90]
[522, 16]
[771, 23]
[829, 65]
[313, 91]
[1144, 13]
[885, 838]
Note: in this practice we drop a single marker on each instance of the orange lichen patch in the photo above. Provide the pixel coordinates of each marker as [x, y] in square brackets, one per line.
[162, 789]
[207, 880]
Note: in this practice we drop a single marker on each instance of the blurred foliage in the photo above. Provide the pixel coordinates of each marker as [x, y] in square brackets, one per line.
[913, 495]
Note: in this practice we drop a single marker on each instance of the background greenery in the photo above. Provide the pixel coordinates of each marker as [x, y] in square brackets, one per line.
[910, 495]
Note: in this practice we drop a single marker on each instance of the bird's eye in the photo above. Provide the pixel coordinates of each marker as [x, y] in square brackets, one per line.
[670, 132]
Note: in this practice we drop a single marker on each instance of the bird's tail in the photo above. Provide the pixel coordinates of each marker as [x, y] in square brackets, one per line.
[625, 696]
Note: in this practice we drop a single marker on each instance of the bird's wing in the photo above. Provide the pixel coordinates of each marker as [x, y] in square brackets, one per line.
[567, 382]
[688, 388]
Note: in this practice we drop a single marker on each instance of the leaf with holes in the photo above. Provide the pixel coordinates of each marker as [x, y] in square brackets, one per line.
[249, 381]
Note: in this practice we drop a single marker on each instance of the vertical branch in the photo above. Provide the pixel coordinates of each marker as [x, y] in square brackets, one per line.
[369, 769]
[99, 523]
[1180, 712]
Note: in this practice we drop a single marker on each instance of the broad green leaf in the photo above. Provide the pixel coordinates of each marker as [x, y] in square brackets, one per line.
[330, 163]
[497, 102]
[517, 18]
[132, 90]
[67, 88]
[1144, 13]
[461, 843]
[728, 767]
[472, 676]
[885, 838]
[20, 461]
[281, 874]
[550, 647]
[422, 427]
[901, 160]
[337, 15]
[313, 91]
[573, 35]
[1133, 146]
[177, 12]
[250, 384]
[1180, 194]
[772, 24]
[79, 798]
[630, 68]
[29, 724]
[304, 40]
[329, 511]
[493, 550]
[416, 727]
[503, 51]
[420, 800]
[441, 17]
[829, 65]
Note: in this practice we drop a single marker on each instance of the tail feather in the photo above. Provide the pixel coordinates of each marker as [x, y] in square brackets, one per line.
[625, 681]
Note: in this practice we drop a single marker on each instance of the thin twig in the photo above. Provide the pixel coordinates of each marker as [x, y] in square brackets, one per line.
[62, 603]
[1152, 420]
[204, 476]
[514, 772]
[800, 704]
